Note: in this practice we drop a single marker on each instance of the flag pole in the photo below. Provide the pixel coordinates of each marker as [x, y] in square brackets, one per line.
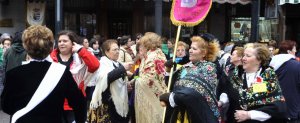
[172, 69]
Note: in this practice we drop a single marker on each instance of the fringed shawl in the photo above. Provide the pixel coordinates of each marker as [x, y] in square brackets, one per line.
[118, 88]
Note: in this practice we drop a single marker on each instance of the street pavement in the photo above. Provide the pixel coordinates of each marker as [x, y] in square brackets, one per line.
[4, 118]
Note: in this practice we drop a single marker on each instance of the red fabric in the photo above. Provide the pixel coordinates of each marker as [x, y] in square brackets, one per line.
[298, 58]
[90, 60]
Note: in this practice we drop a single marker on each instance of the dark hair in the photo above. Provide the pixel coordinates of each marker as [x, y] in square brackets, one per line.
[164, 40]
[82, 40]
[237, 44]
[272, 43]
[286, 45]
[72, 36]
[18, 37]
[124, 39]
[172, 40]
[208, 37]
[93, 41]
[138, 35]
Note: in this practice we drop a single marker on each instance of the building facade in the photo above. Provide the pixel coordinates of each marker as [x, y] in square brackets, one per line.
[229, 20]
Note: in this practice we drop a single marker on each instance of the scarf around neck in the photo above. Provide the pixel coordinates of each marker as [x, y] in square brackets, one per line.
[118, 88]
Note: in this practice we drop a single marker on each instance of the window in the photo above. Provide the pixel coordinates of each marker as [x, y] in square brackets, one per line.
[241, 29]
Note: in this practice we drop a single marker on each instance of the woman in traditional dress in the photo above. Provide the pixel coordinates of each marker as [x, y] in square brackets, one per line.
[259, 94]
[193, 97]
[150, 84]
[225, 87]
[110, 98]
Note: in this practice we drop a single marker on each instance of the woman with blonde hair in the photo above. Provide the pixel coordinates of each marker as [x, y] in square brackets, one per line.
[260, 98]
[182, 56]
[193, 98]
[150, 84]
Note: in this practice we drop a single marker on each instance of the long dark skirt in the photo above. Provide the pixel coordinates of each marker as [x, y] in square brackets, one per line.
[105, 114]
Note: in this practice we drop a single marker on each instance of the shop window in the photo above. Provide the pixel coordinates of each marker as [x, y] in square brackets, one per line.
[241, 29]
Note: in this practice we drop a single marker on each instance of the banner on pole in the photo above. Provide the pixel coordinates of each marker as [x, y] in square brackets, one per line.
[189, 12]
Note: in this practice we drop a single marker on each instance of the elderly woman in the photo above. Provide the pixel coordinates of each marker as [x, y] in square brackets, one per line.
[259, 94]
[40, 99]
[110, 99]
[150, 84]
[182, 56]
[78, 60]
[193, 97]
[225, 87]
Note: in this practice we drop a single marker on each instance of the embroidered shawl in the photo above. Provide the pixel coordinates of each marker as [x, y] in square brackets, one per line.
[202, 77]
[249, 98]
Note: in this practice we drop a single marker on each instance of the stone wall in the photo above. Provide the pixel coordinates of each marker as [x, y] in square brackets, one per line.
[16, 11]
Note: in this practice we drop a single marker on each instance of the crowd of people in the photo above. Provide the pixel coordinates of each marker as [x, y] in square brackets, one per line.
[126, 79]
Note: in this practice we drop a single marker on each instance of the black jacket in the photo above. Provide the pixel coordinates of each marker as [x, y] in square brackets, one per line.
[14, 56]
[22, 82]
[288, 73]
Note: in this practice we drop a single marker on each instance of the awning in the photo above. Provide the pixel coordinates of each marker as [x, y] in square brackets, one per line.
[281, 2]
[233, 1]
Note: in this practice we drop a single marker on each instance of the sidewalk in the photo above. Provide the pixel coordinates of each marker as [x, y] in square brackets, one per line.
[4, 118]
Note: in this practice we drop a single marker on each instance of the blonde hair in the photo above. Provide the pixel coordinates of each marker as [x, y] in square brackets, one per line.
[151, 41]
[261, 53]
[210, 48]
[181, 43]
[38, 41]
[239, 51]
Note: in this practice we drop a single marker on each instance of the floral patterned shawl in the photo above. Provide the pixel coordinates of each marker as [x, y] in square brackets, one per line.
[249, 98]
[202, 77]
[149, 86]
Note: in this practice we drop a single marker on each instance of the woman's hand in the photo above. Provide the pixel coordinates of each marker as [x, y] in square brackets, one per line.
[128, 66]
[169, 64]
[130, 85]
[241, 115]
[220, 104]
[164, 99]
[163, 104]
[76, 47]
